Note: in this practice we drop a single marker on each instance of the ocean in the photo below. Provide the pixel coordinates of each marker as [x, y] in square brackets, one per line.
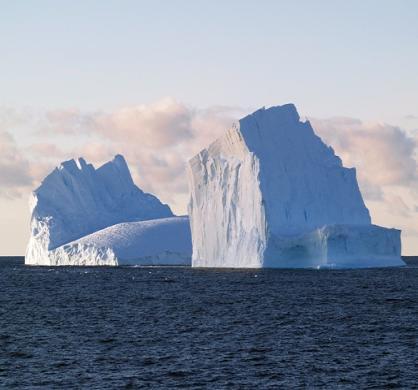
[159, 328]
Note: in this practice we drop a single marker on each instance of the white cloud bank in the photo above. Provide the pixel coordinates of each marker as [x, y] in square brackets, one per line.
[158, 139]
[383, 154]
[15, 174]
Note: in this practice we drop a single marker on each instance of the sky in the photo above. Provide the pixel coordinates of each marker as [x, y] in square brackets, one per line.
[159, 80]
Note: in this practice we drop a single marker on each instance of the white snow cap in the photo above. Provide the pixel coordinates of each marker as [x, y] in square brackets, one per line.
[270, 178]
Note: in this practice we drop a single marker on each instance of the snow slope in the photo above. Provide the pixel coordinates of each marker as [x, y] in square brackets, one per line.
[270, 193]
[164, 241]
[77, 200]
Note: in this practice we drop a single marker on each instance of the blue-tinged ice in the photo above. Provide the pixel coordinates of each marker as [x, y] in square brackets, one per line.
[271, 193]
[87, 216]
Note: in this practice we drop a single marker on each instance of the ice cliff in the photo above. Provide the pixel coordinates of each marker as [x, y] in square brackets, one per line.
[270, 193]
[87, 216]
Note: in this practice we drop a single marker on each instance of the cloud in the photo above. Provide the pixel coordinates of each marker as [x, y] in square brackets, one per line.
[15, 174]
[44, 149]
[384, 155]
[411, 117]
[95, 151]
[66, 121]
[11, 118]
[397, 205]
[158, 139]
[156, 125]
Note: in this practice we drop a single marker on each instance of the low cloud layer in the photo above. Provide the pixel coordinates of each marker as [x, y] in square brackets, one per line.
[15, 174]
[158, 125]
[385, 157]
[159, 138]
[383, 154]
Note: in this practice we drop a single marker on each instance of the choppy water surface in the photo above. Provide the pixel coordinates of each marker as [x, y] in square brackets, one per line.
[179, 327]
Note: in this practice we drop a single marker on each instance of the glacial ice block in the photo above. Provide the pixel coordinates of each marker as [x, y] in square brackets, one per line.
[162, 241]
[87, 216]
[270, 193]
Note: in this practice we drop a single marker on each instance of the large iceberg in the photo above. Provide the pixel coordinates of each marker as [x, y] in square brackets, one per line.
[270, 193]
[87, 216]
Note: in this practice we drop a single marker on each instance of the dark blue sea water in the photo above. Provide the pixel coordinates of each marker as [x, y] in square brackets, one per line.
[98, 328]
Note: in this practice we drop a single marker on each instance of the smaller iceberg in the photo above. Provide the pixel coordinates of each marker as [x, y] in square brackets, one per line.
[87, 216]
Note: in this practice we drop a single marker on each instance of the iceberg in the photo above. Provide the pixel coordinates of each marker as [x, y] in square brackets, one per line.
[87, 216]
[271, 193]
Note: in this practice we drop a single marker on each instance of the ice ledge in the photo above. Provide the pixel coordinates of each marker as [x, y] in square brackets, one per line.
[328, 247]
[164, 241]
[336, 246]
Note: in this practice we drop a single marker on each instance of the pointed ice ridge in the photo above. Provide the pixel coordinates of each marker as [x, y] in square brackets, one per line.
[263, 193]
[81, 199]
[77, 200]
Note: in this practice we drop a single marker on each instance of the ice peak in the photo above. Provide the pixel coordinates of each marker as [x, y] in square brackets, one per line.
[270, 181]
[279, 114]
[121, 163]
[69, 165]
[117, 168]
[73, 165]
[78, 199]
[119, 159]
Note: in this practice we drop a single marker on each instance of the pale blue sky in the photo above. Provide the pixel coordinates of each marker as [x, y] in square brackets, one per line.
[63, 61]
[353, 58]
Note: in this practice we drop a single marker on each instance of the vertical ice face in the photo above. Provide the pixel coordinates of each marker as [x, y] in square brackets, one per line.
[267, 179]
[227, 219]
[76, 200]
[303, 182]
